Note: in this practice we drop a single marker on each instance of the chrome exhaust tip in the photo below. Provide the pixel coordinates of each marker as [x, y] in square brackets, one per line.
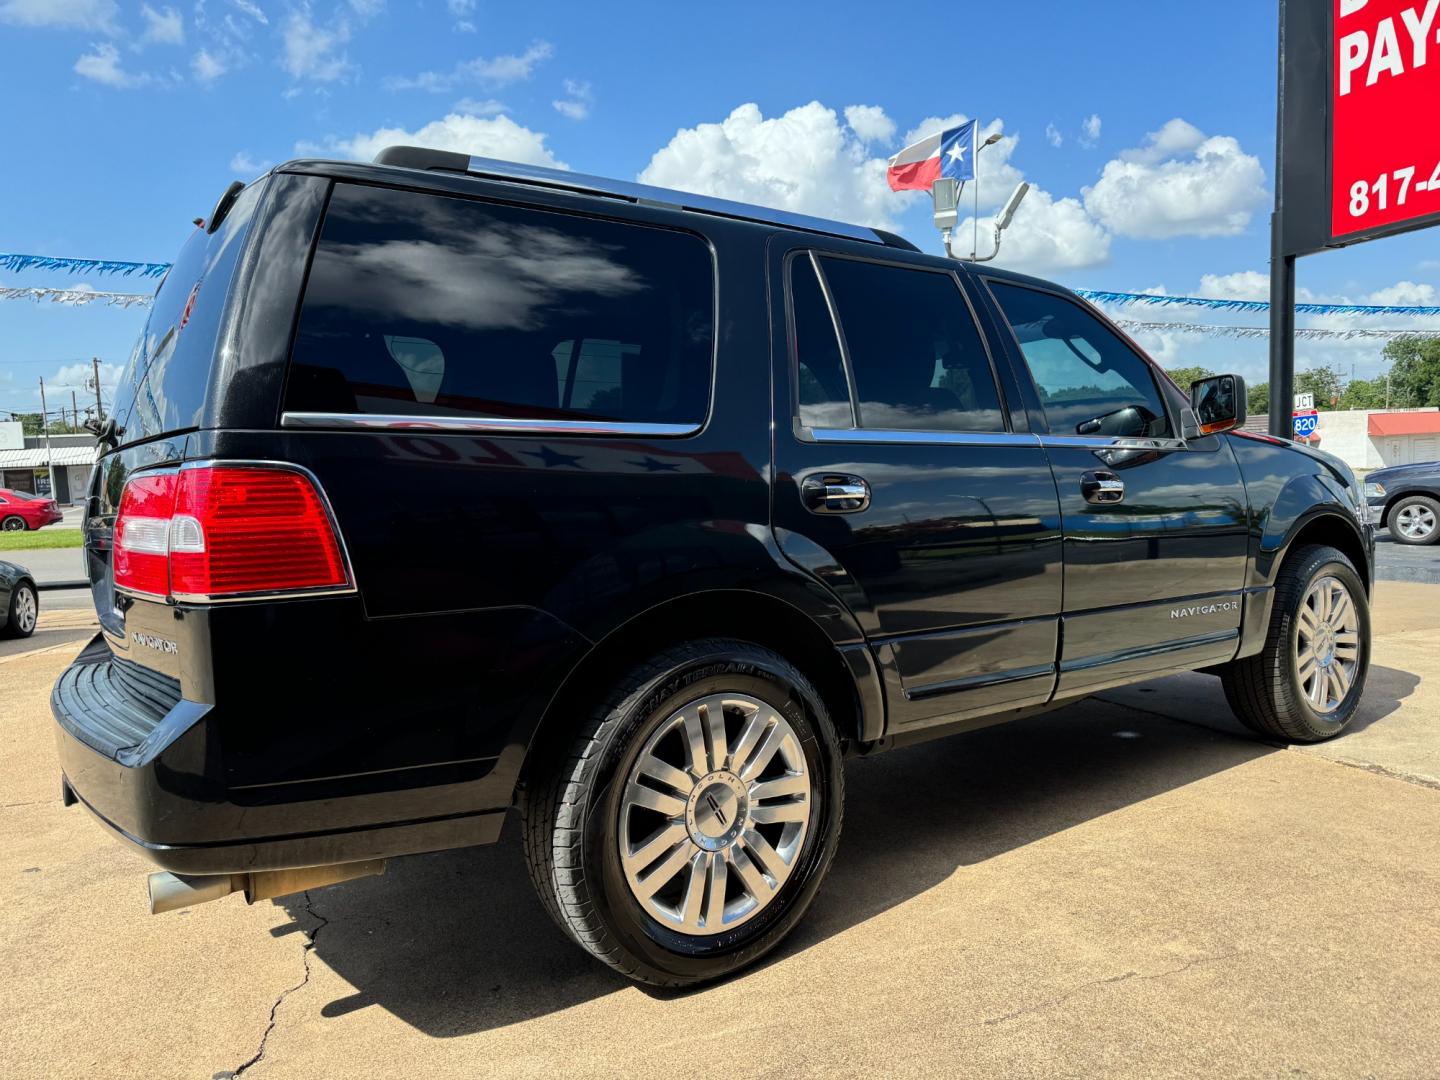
[172, 892]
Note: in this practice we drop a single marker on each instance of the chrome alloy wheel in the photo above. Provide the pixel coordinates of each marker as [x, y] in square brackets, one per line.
[1327, 647]
[1416, 521]
[14, 523]
[714, 814]
[26, 609]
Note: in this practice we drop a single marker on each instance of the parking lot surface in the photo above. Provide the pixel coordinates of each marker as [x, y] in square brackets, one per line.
[1126, 887]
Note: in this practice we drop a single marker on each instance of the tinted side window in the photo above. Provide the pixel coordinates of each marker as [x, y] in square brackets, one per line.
[916, 355]
[429, 305]
[164, 384]
[823, 394]
[1090, 381]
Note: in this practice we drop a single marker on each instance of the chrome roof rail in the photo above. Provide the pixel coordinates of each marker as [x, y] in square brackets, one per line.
[539, 176]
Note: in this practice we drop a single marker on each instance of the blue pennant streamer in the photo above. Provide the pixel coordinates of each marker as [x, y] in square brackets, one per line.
[1122, 298]
[18, 263]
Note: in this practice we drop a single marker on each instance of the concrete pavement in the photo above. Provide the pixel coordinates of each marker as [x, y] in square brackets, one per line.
[1101, 890]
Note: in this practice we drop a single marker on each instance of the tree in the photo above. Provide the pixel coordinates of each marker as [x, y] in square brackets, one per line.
[1414, 372]
[29, 421]
[1324, 382]
[1364, 394]
[1184, 376]
[1258, 398]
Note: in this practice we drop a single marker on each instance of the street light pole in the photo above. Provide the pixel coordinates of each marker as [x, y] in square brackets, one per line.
[95, 367]
[945, 196]
[45, 431]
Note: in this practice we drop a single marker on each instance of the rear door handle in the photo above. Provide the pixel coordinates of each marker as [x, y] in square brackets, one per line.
[834, 493]
[1102, 486]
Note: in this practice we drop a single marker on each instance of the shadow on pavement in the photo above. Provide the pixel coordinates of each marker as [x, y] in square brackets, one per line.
[456, 942]
[45, 639]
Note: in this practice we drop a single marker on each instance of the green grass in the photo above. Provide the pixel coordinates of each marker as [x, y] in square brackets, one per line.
[40, 538]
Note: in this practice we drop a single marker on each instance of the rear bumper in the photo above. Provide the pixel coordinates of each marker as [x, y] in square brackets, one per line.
[149, 765]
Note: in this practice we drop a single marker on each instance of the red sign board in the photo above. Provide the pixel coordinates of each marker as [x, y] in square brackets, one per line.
[1385, 113]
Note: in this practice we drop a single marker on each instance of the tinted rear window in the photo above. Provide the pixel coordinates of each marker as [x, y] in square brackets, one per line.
[164, 384]
[429, 305]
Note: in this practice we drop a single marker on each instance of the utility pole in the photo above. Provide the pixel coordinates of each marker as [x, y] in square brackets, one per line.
[95, 367]
[45, 430]
[74, 413]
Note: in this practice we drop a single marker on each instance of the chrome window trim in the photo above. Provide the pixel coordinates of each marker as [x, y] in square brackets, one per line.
[484, 425]
[492, 169]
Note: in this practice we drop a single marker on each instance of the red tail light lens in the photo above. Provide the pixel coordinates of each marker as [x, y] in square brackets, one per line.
[227, 531]
[142, 528]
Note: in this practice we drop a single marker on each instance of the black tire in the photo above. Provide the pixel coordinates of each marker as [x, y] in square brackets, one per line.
[13, 523]
[1265, 690]
[1420, 505]
[18, 625]
[570, 812]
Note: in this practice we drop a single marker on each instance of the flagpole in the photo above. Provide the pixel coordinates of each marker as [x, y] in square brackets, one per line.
[975, 182]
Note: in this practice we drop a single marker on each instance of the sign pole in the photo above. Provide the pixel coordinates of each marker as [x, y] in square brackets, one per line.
[1282, 273]
[1282, 341]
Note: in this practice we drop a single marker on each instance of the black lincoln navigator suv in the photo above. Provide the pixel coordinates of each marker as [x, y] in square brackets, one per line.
[441, 486]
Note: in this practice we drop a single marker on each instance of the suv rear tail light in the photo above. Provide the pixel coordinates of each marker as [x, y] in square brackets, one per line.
[227, 531]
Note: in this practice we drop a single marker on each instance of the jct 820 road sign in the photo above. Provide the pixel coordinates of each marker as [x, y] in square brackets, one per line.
[1305, 424]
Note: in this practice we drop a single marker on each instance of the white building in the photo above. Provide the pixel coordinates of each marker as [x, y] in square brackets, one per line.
[1372, 439]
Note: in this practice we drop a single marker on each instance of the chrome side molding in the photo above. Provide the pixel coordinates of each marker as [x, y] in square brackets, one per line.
[480, 425]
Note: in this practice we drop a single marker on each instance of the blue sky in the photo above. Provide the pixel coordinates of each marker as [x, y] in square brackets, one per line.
[1147, 130]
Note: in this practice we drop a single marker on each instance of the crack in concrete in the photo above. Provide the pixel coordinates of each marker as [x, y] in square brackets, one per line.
[1382, 770]
[1112, 980]
[310, 936]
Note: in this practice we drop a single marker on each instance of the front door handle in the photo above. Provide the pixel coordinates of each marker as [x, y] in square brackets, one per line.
[1102, 486]
[834, 493]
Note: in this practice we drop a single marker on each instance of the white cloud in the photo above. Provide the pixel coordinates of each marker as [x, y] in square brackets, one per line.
[1404, 294]
[577, 105]
[497, 137]
[103, 66]
[244, 164]
[207, 66]
[995, 176]
[1243, 285]
[1090, 130]
[253, 10]
[162, 27]
[367, 9]
[479, 106]
[65, 14]
[1053, 136]
[1180, 183]
[869, 123]
[488, 71]
[77, 377]
[1046, 236]
[311, 51]
[805, 160]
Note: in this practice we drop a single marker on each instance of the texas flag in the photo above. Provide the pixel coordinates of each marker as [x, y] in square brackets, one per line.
[949, 153]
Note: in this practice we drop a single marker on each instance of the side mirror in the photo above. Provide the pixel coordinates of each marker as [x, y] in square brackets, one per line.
[1219, 403]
